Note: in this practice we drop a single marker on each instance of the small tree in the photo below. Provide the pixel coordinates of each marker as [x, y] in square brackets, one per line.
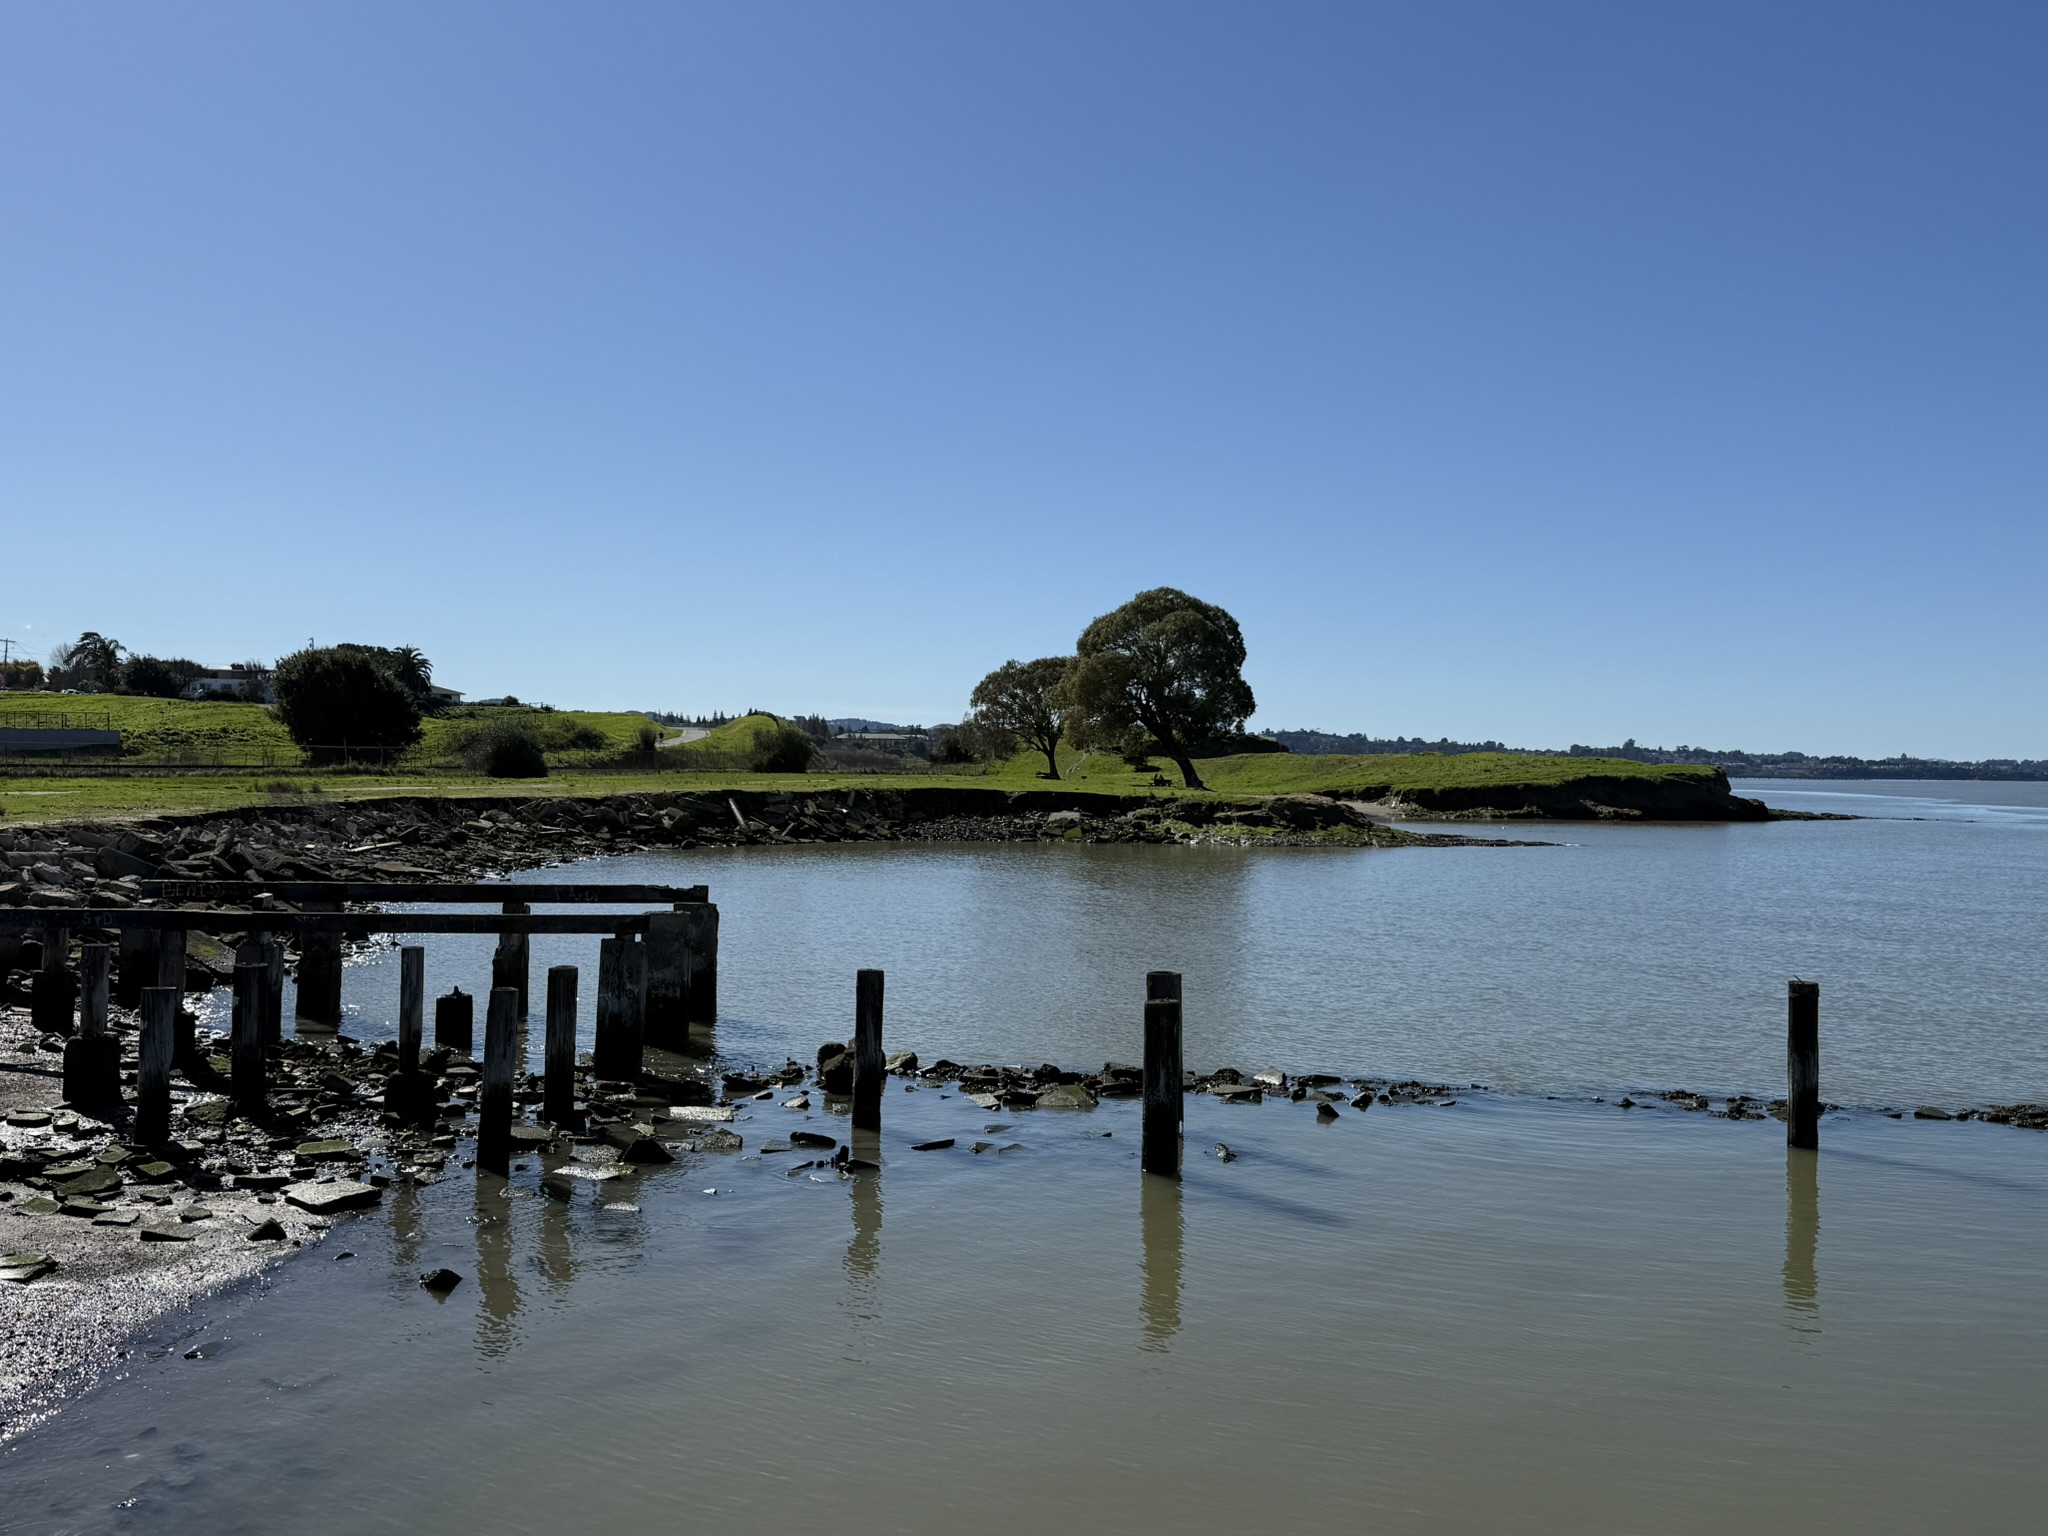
[1165, 663]
[92, 663]
[511, 749]
[340, 703]
[1021, 699]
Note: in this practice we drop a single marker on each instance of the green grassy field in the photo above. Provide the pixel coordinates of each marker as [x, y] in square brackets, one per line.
[1281, 773]
[247, 734]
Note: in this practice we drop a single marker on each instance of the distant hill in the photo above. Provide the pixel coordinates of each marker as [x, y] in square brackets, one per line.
[1737, 764]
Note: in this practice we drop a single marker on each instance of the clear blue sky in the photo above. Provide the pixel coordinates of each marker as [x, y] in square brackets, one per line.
[1548, 372]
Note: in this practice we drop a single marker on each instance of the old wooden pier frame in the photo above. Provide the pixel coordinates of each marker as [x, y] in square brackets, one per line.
[658, 974]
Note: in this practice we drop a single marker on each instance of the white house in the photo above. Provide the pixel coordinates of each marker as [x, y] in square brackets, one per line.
[251, 684]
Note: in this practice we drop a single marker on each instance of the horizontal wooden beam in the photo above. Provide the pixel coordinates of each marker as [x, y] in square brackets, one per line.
[397, 890]
[350, 924]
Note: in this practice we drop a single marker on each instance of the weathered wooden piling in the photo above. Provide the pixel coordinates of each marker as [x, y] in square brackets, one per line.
[559, 1103]
[494, 1100]
[621, 999]
[1802, 1064]
[509, 965]
[245, 1052]
[170, 972]
[455, 1022]
[669, 970]
[412, 1005]
[1161, 1152]
[137, 967]
[870, 1068]
[92, 1058]
[273, 992]
[53, 990]
[702, 998]
[153, 1078]
[320, 975]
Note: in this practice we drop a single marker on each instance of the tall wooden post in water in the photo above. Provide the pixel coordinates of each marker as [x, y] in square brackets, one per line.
[412, 1005]
[320, 974]
[153, 1079]
[559, 1106]
[1802, 1064]
[621, 1007]
[869, 1065]
[1163, 1075]
[245, 1052]
[509, 965]
[494, 1102]
[92, 1059]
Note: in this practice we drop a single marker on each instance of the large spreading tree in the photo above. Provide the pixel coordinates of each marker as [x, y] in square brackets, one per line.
[342, 704]
[1165, 671]
[1022, 699]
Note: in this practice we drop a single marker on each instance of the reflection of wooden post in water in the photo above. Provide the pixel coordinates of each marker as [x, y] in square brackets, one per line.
[494, 1280]
[1802, 1064]
[1159, 1220]
[494, 1100]
[869, 1067]
[555, 1256]
[1163, 1089]
[864, 1249]
[559, 1063]
[1802, 1230]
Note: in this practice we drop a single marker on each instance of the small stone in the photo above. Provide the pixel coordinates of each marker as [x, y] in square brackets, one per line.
[266, 1231]
[157, 1234]
[645, 1149]
[40, 1205]
[1363, 1102]
[1224, 1154]
[719, 1139]
[904, 1063]
[24, 1267]
[801, 1101]
[325, 1151]
[440, 1282]
[195, 1213]
[117, 1218]
[932, 1146]
[1924, 1112]
[98, 1182]
[80, 1205]
[1326, 1111]
[812, 1139]
[706, 1113]
[29, 1119]
[339, 1195]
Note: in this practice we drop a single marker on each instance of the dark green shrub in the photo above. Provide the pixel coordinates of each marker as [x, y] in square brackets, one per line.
[511, 750]
[342, 705]
[157, 677]
[781, 748]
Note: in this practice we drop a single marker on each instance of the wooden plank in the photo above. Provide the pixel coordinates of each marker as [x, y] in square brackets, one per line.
[351, 924]
[455, 892]
[245, 1058]
[153, 1077]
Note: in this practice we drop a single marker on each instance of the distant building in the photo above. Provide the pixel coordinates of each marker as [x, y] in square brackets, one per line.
[248, 684]
[444, 695]
[901, 743]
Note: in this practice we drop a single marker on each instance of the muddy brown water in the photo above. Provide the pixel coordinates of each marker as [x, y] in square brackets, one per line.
[1512, 1312]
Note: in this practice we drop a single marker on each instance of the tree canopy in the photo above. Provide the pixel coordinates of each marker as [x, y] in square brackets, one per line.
[341, 703]
[1021, 699]
[1165, 666]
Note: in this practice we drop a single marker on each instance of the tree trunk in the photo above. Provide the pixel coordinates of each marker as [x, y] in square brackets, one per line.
[1052, 761]
[1188, 776]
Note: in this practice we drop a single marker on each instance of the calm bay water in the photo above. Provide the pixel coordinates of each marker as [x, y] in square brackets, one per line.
[1508, 1313]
